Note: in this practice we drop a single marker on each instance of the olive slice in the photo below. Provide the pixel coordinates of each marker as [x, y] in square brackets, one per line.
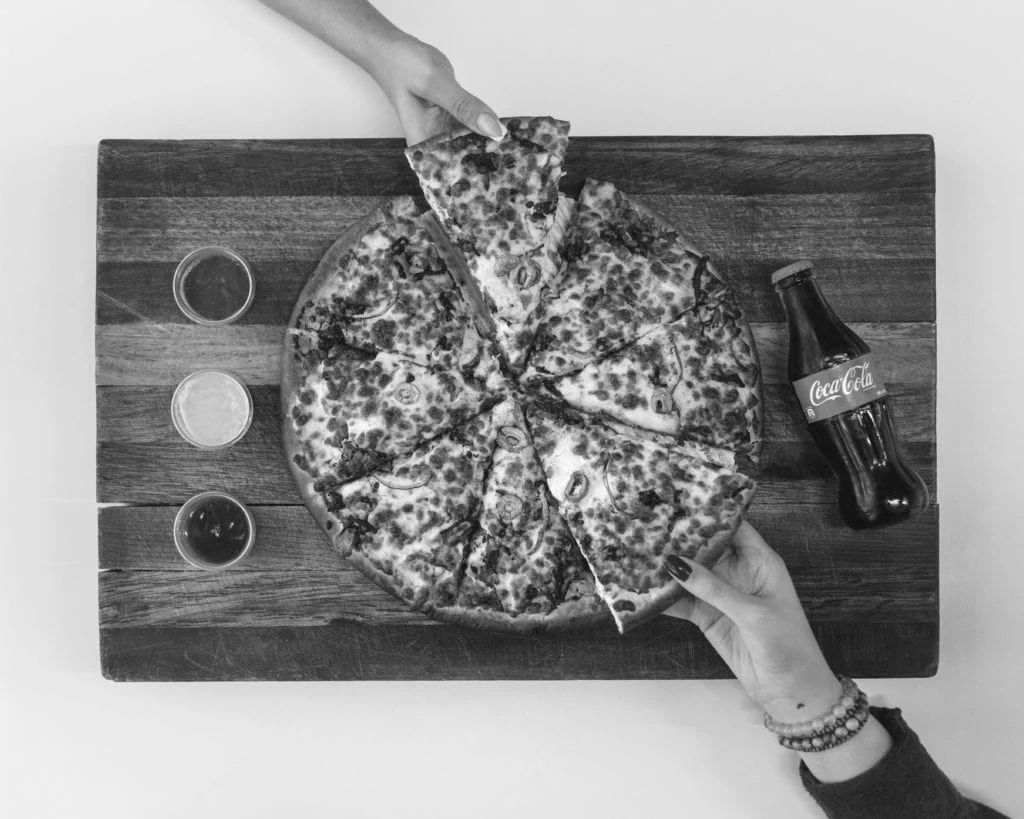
[527, 274]
[407, 394]
[411, 478]
[512, 439]
[577, 488]
[511, 508]
[661, 401]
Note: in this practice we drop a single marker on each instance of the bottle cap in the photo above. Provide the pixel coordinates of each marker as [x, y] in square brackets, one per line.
[791, 270]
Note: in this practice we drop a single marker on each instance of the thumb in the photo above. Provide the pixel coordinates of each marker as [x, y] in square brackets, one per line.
[710, 588]
[469, 110]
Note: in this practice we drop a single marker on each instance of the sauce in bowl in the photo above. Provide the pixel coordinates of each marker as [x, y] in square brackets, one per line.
[213, 530]
[213, 285]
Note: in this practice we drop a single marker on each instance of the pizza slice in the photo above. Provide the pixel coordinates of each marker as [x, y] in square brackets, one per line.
[389, 291]
[523, 561]
[696, 380]
[498, 201]
[627, 271]
[409, 527]
[356, 411]
[494, 197]
[630, 503]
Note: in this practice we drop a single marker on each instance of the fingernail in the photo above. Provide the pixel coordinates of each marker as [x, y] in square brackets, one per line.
[678, 568]
[489, 125]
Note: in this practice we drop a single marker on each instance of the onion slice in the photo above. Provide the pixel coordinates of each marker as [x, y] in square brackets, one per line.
[513, 439]
[413, 478]
[376, 312]
[616, 503]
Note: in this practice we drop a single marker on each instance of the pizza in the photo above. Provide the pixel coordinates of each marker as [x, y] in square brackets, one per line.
[498, 201]
[695, 380]
[630, 502]
[508, 411]
[628, 271]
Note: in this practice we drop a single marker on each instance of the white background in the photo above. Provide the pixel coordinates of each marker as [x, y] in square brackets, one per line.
[73, 73]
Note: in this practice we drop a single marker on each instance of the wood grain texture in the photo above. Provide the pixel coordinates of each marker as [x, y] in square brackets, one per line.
[661, 649]
[141, 414]
[376, 167]
[163, 354]
[316, 597]
[134, 292]
[294, 577]
[864, 226]
[861, 208]
[808, 537]
[791, 472]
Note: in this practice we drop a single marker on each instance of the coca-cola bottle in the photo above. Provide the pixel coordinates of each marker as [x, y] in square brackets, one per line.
[846, 407]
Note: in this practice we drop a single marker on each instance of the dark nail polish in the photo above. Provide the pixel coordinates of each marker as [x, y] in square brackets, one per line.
[678, 568]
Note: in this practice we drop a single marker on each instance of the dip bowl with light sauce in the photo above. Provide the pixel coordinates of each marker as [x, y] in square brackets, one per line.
[211, 409]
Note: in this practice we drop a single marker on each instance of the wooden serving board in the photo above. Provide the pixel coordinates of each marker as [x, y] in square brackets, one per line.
[862, 208]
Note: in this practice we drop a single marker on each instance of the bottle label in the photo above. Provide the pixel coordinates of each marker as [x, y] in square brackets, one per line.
[838, 389]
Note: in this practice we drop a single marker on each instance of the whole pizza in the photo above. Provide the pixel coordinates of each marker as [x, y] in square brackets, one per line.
[509, 411]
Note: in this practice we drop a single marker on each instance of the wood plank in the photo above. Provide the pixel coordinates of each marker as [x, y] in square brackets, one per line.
[153, 354]
[792, 472]
[376, 167]
[896, 224]
[809, 537]
[131, 292]
[307, 597]
[662, 649]
[142, 414]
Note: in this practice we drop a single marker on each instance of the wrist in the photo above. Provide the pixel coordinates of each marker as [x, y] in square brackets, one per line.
[805, 697]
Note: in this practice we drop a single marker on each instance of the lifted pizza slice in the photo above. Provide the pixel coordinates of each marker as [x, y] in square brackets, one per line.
[498, 202]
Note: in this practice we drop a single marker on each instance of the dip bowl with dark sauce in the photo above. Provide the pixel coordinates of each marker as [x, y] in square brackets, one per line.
[213, 285]
[213, 531]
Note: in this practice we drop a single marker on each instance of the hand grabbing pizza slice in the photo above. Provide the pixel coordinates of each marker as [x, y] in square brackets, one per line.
[630, 503]
[498, 202]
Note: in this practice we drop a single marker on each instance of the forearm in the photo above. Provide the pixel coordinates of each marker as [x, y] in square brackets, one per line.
[352, 27]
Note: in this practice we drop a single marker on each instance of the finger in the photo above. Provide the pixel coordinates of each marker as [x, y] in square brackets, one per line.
[469, 110]
[702, 615]
[710, 588]
[748, 542]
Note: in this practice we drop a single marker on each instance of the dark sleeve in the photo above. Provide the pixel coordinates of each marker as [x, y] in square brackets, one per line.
[906, 782]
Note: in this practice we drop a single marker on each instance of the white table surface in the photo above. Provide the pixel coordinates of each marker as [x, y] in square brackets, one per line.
[72, 73]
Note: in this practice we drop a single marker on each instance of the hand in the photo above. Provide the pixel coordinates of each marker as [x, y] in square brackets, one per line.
[749, 611]
[420, 83]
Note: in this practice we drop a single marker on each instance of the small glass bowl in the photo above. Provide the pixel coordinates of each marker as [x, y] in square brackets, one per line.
[181, 424]
[181, 537]
[185, 267]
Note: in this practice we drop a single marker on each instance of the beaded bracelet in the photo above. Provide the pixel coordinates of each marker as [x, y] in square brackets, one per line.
[832, 728]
